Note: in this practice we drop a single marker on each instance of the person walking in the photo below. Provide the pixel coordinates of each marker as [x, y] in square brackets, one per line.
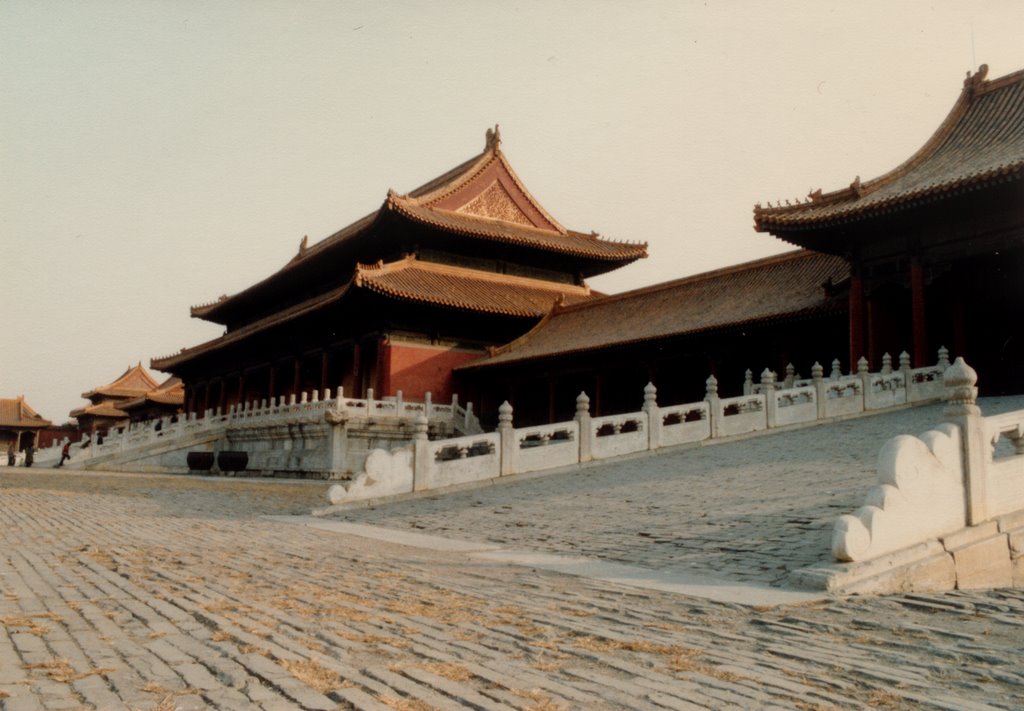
[12, 456]
[28, 455]
[65, 453]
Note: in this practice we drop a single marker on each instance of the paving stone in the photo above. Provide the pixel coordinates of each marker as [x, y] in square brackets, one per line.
[94, 690]
[458, 692]
[172, 582]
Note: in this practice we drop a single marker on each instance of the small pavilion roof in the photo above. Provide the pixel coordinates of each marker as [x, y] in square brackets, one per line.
[980, 142]
[415, 281]
[784, 286]
[15, 412]
[480, 199]
[133, 382]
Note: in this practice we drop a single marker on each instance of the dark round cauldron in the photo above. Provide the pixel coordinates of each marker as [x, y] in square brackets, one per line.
[199, 461]
[232, 461]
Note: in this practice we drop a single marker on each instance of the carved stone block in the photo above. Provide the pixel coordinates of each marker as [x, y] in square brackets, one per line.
[984, 564]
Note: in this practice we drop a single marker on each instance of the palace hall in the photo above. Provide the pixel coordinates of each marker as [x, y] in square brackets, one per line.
[104, 410]
[20, 425]
[398, 299]
[936, 245]
[467, 285]
[930, 254]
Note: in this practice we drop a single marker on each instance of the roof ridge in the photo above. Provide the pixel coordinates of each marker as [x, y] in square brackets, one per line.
[990, 85]
[435, 184]
[473, 169]
[556, 306]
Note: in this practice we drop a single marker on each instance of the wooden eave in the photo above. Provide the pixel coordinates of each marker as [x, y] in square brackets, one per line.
[980, 143]
[467, 289]
[103, 409]
[575, 244]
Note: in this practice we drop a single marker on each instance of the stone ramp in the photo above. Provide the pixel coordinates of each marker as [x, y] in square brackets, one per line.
[160, 456]
[751, 511]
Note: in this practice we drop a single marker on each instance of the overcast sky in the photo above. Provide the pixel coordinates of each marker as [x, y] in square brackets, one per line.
[154, 155]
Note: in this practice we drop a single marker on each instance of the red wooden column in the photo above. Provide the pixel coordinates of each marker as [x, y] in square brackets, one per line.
[917, 306]
[959, 327]
[551, 398]
[871, 306]
[325, 364]
[856, 319]
[241, 390]
[357, 371]
[270, 382]
[297, 379]
[383, 374]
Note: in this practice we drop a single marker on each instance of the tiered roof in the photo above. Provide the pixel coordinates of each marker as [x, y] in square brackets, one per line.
[980, 143]
[414, 281]
[16, 413]
[792, 285]
[479, 201]
[170, 393]
[133, 382]
[106, 399]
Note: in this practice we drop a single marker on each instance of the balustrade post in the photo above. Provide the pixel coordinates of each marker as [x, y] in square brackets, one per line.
[586, 431]
[653, 416]
[714, 404]
[865, 382]
[428, 405]
[338, 439]
[768, 392]
[818, 376]
[943, 358]
[748, 382]
[421, 449]
[468, 418]
[960, 380]
[886, 364]
[507, 439]
[790, 375]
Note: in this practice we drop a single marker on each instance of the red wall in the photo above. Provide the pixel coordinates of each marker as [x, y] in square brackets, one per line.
[415, 370]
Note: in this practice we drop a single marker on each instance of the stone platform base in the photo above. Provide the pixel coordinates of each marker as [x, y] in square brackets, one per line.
[990, 555]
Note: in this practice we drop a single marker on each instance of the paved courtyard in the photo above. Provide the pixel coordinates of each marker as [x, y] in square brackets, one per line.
[164, 592]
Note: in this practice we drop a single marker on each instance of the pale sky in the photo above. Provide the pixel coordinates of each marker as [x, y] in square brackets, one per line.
[154, 155]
